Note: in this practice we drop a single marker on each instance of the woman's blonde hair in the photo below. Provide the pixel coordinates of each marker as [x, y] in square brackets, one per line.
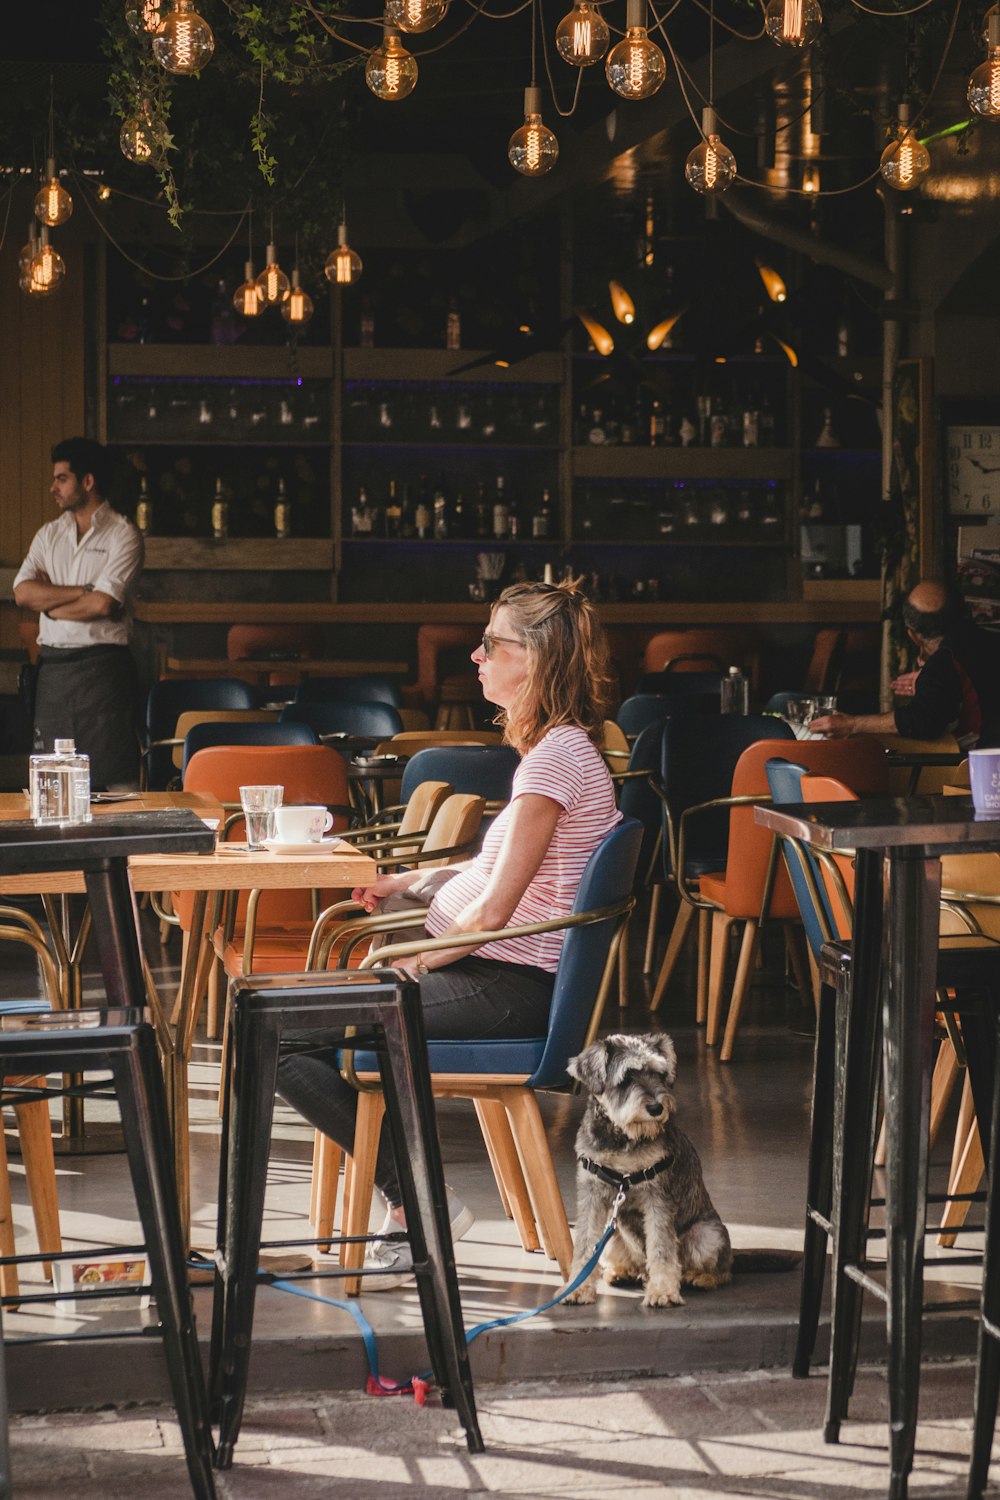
[569, 679]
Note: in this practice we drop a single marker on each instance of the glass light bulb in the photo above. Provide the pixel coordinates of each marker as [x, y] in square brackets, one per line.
[247, 299]
[272, 283]
[533, 150]
[621, 303]
[297, 307]
[183, 41]
[905, 161]
[46, 270]
[137, 139]
[343, 266]
[635, 67]
[984, 87]
[793, 23]
[711, 166]
[143, 16]
[582, 37]
[391, 71]
[53, 205]
[415, 15]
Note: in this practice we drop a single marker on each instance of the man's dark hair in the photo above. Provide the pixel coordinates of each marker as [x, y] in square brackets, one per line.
[85, 456]
[933, 624]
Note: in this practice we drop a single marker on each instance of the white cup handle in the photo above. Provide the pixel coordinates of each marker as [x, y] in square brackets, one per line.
[327, 820]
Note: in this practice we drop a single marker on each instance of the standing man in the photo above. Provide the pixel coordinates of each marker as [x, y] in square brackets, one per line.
[80, 574]
[955, 690]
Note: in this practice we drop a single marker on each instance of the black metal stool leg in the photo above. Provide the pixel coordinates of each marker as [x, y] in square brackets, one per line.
[819, 1183]
[410, 1112]
[988, 1363]
[6, 1490]
[139, 1086]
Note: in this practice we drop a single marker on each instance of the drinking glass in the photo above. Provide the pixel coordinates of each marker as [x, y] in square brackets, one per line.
[259, 803]
[826, 703]
[797, 714]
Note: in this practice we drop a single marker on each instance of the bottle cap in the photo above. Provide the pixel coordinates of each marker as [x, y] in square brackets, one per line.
[65, 747]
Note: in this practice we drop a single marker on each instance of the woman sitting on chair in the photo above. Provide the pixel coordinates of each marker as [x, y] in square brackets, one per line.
[544, 662]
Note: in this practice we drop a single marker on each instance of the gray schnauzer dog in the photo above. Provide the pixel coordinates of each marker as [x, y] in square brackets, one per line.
[668, 1231]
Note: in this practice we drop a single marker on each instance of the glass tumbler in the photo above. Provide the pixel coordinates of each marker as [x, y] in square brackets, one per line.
[259, 803]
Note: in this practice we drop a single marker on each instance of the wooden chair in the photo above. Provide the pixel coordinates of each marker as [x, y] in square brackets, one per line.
[192, 716]
[691, 650]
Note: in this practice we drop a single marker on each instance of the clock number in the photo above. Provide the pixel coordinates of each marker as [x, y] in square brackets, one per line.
[986, 440]
[966, 439]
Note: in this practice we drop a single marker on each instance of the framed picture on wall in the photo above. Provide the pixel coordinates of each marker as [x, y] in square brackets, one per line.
[913, 466]
[970, 440]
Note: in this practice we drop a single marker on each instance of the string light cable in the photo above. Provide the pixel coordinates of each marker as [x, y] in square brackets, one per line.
[564, 114]
[890, 15]
[156, 275]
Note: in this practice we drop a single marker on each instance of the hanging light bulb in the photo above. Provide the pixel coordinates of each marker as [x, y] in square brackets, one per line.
[343, 265]
[635, 67]
[247, 299]
[774, 286]
[104, 192]
[297, 307]
[811, 180]
[53, 205]
[143, 16]
[905, 161]
[711, 166]
[984, 84]
[272, 283]
[993, 11]
[600, 337]
[47, 267]
[533, 150]
[621, 302]
[582, 36]
[27, 254]
[183, 41]
[793, 23]
[786, 349]
[415, 15]
[138, 135]
[391, 71]
[656, 336]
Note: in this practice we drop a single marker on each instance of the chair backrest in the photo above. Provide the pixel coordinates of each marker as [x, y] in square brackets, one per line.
[697, 761]
[608, 878]
[211, 732]
[192, 716]
[371, 720]
[456, 822]
[643, 709]
[433, 641]
[838, 869]
[420, 811]
[169, 698]
[370, 689]
[682, 683]
[726, 648]
[247, 642]
[784, 779]
[636, 797]
[823, 670]
[614, 746]
[930, 779]
[412, 740]
[485, 770]
[861, 760]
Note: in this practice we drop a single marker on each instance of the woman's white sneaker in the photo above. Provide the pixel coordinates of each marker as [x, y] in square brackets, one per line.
[390, 1261]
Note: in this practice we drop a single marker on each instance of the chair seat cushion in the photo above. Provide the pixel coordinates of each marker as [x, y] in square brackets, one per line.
[783, 906]
[519, 1057]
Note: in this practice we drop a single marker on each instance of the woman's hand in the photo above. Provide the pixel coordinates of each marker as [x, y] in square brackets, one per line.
[369, 896]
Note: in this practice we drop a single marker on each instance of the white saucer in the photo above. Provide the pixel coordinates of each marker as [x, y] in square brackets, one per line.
[313, 846]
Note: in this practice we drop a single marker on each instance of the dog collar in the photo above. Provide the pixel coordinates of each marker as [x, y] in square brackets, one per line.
[625, 1179]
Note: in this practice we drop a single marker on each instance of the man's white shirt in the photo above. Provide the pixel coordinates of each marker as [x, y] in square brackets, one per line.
[108, 559]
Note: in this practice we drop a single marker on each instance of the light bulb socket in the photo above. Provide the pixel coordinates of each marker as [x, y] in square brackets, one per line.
[635, 13]
[50, 169]
[532, 100]
[296, 283]
[709, 122]
[248, 271]
[903, 113]
[271, 258]
[342, 234]
[390, 33]
[993, 29]
[43, 238]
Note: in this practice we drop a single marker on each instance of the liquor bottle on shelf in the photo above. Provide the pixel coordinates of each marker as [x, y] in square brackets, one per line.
[541, 518]
[144, 509]
[615, 522]
[408, 519]
[657, 423]
[282, 513]
[581, 425]
[689, 511]
[584, 519]
[385, 418]
[362, 515]
[484, 512]
[718, 423]
[440, 507]
[744, 507]
[433, 421]
[220, 513]
[463, 418]
[541, 421]
[453, 326]
[597, 433]
[459, 518]
[628, 432]
[513, 519]
[612, 425]
[666, 516]
[770, 516]
[366, 330]
[768, 424]
[718, 509]
[501, 513]
[393, 513]
[827, 436]
[750, 423]
[423, 515]
[206, 416]
[489, 426]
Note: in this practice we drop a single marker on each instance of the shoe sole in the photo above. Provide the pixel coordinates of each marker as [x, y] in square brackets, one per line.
[392, 1281]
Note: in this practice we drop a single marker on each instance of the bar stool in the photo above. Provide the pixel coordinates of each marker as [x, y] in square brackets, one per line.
[383, 1014]
[121, 1042]
[988, 1362]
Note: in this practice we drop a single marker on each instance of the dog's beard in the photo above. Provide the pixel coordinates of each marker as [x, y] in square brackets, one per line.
[627, 1110]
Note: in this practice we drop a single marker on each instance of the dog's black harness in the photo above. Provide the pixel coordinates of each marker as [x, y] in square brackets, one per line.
[625, 1180]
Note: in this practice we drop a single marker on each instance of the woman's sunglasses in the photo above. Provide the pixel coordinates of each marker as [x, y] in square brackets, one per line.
[489, 641]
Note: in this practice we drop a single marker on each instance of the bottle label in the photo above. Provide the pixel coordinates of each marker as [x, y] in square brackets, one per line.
[540, 524]
[144, 516]
[500, 520]
[282, 519]
[220, 519]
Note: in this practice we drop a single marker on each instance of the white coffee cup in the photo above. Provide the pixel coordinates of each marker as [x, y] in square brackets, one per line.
[301, 825]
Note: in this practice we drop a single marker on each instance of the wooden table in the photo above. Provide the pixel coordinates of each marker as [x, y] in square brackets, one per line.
[898, 843]
[304, 666]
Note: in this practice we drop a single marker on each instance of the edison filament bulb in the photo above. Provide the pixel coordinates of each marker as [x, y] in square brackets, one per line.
[984, 84]
[143, 16]
[905, 161]
[137, 138]
[582, 37]
[53, 205]
[343, 265]
[272, 283]
[793, 23]
[391, 71]
[635, 67]
[711, 166]
[415, 15]
[28, 252]
[247, 299]
[533, 150]
[183, 41]
[297, 307]
[47, 267]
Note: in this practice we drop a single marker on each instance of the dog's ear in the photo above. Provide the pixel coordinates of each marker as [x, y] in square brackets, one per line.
[665, 1047]
[591, 1068]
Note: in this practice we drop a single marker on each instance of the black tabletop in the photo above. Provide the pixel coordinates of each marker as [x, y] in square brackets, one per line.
[940, 824]
[26, 847]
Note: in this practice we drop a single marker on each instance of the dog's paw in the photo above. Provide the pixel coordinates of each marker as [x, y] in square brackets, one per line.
[582, 1297]
[622, 1275]
[663, 1294]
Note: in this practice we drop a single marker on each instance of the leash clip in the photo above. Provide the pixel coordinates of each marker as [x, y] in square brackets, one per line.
[616, 1207]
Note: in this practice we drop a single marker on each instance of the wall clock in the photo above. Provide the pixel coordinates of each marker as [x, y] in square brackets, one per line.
[973, 474]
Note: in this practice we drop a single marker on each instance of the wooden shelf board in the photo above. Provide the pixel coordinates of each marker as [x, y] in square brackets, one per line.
[734, 465]
[229, 361]
[446, 364]
[251, 554]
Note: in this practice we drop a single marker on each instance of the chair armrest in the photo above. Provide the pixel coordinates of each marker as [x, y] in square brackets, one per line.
[751, 800]
[477, 939]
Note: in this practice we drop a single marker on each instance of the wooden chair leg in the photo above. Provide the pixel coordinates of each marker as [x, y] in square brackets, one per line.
[9, 1283]
[679, 931]
[533, 1147]
[34, 1128]
[970, 1173]
[185, 946]
[719, 952]
[216, 987]
[623, 985]
[704, 950]
[943, 1080]
[371, 1108]
[741, 984]
[813, 978]
[652, 926]
[800, 972]
[502, 1150]
[327, 1157]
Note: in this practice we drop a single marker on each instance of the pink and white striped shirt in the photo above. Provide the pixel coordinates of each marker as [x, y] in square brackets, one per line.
[566, 766]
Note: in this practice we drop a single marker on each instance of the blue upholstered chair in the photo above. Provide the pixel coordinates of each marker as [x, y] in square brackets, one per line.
[169, 699]
[201, 736]
[701, 684]
[377, 721]
[370, 689]
[643, 709]
[501, 1075]
[484, 770]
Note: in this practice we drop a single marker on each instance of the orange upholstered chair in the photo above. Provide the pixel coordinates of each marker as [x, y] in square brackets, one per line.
[711, 647]
[446, 683]
[245, 642]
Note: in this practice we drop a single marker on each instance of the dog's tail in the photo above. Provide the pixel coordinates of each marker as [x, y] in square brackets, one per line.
[755, 1262]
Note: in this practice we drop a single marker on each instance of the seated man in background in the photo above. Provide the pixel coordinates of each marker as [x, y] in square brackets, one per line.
[956, 689]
